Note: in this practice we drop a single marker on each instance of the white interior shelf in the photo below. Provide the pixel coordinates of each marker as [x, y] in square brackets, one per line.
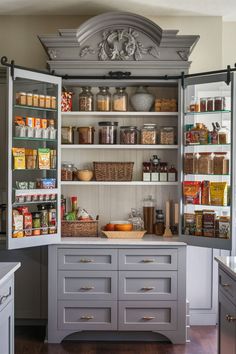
[119, 146]
[118, 114]
[120, 183]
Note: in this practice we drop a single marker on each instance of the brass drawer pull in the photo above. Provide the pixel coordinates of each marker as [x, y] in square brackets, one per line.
[148, 318]
[230, 318]
[148, 260]
[147, 288]
[86, 260]
[87, 317]
[86, 288]
[4, 297]
[225, 285]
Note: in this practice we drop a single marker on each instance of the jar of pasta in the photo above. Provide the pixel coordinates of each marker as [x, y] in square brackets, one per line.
[167, 136]
[205, 163]
[149, 134]
[120, 100]
[103, 99]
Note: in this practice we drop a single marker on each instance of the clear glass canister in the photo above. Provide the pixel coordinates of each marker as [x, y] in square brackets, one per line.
[120, 100]
[190, 163]
[67, 136]
[167, 136]
[108, 132]
[203, 104]
[219, 104]
[210, 104]
[67, 170]
[86, 135]
[149, 134]
[128, 135]
[86, 99]
[103, 99]
[220, 163]
[205, 163]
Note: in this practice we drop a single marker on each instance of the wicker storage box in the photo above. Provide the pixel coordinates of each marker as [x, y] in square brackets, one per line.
[79, 228]
[113, 171]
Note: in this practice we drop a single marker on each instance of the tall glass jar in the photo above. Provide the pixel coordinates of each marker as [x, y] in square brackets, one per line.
[149, 134]
[103, 100]
[108, 132]
[128, 135]
[120, 100]
[86, 99]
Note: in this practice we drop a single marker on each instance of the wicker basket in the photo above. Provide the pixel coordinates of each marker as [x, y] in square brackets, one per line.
[113, 171]
[79, 228]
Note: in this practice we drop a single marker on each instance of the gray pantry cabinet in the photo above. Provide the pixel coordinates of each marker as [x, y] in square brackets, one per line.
[120, 286]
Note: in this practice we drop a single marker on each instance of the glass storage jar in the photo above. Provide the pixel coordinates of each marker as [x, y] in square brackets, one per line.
[67, 136]
[190, 163]
[103, 99]
[86, 135]
[210, 104]
[35, 100]
[67, 170]
[205, 163]
[224, 135]
[86, 99]
[203, 104]
[21, 98]
[220, 163]
[53, 102]
[219, 104]
[167, 136]
[29, 99]
[149, 134]
[120, 100]
[128, 135]
[108, 132]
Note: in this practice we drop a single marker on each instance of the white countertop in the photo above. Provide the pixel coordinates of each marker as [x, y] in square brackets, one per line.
[150, 240]
[7, 269]
[227, 263]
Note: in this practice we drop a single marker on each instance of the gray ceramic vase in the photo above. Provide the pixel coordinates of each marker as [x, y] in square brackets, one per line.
[142, 100]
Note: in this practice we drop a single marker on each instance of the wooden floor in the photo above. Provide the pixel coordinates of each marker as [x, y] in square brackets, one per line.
[29, 340]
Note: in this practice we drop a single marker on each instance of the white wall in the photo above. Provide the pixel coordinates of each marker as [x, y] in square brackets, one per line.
[229, 46]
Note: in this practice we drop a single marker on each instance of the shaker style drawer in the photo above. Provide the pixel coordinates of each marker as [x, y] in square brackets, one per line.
[151, 285]
[86, 315]
[87, 259]
[146, 316]
[6, 293]
[148, 259]
[87, 285]
[227, 285]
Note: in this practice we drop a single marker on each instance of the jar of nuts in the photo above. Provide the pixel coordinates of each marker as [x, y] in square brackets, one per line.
[167, 136]
[149, 134]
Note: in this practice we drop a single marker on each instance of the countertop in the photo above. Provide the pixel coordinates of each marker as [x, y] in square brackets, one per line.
[149, 240]
[7, 269]
[228, 264]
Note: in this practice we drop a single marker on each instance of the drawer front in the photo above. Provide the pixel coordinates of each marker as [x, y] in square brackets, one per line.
[6, 293]
[143, 285]
[87, 259]
[86, 315]
[227, 285]
[87, 285]
[146, 316]
[148, 259]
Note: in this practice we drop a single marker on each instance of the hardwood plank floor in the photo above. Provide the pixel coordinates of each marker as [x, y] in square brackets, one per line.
[29, 340]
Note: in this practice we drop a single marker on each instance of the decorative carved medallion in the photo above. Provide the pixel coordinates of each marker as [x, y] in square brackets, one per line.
[52, 53]
[121, 44]
[183, 54]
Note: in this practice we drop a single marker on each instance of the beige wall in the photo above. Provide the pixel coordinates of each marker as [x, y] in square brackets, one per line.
[229, 43]
[18, 37]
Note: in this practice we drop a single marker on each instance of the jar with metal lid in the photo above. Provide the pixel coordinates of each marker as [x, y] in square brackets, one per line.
[103, 100]
[149, 134]
[29, 99]
[190, 163]
[220, 163]
[167, 136]
[86, 135]
[67, 170]
[219, 104]
[67, 136]
[53, 102]
[210, 104]
[224, 135]
[43, 219]
[52, 219]
[205, 163]
[86, 99]
[128, 135]
[120, 100]
[203, 104]
[108, 132]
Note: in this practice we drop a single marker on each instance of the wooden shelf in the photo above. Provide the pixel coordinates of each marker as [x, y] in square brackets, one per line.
[129, 183]
[119, 146]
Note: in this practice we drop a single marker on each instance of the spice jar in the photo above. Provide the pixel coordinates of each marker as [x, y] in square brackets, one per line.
[194, 105]
[86, 135]
[167, 136]
[52, 219]
[205, 163]
[67, 171]
[220, 163]
[223, 135]
[43, 219]
[53, 159]
[210, 104]
[149, 134]
[41, 101]
[203, 104]
[190, 163]
[36, 223]
[108, 132]
[35, 100]
[120, 100]
[29, 99]
[53, 102]
[128, 135]
[219, 104]
[21, 98]
[47, 101]
[147, 171]
[103, 99]
[67, 136]
[86, 99]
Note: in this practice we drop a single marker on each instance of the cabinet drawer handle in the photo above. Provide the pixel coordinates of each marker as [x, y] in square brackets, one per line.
[225, 285]
[230, 318]
[87, 288]
[87, 317]
[148, 260]
[4, 297]
[86, 260]
[148, 288]
[148, 318]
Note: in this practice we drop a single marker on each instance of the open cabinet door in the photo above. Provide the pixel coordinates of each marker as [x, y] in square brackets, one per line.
[33, 159]
[208, 161]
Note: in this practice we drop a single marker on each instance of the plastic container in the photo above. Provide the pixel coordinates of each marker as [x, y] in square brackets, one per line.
[103, 100]
[149, 134]
[29, 99]
[128, 135]
[108, 132]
